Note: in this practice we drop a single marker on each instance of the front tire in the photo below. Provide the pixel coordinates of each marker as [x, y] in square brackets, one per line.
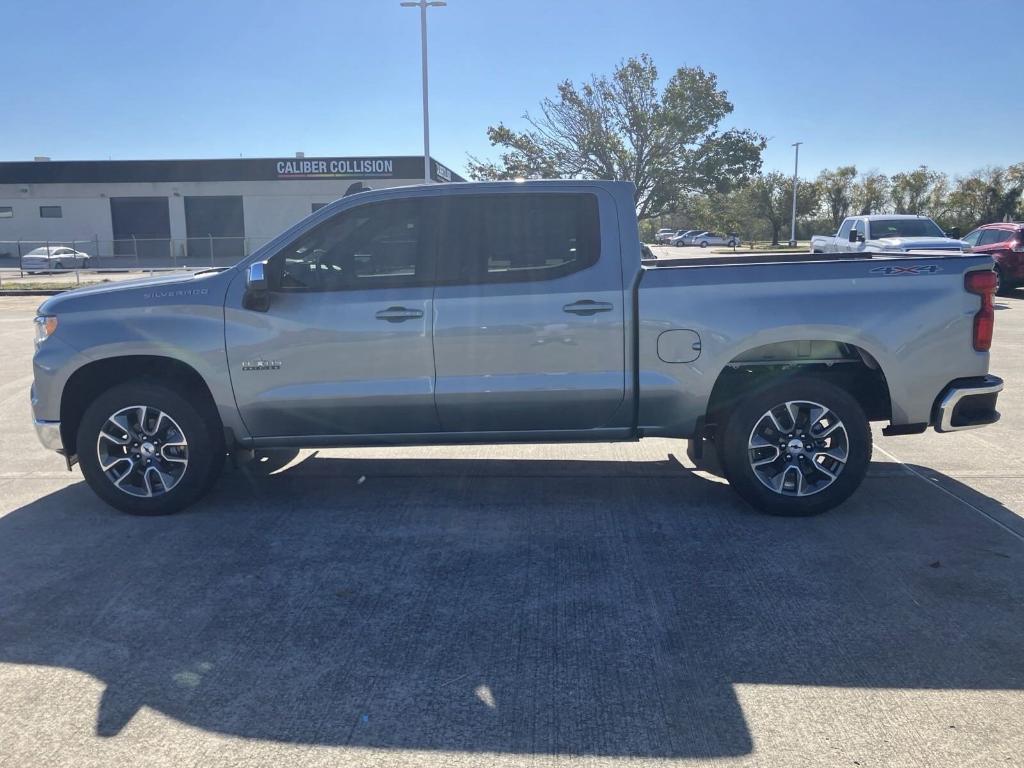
[146, 450]
[703, 243]
[796, 447]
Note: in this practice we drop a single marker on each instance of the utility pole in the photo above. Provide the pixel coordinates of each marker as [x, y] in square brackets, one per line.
[423, 5]
[796, 166]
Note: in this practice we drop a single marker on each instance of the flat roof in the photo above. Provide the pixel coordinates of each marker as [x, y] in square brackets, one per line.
[232, 169]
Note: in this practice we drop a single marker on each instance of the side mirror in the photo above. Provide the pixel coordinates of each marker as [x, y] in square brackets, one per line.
[257, 289]
[953, 233]
[854, 236]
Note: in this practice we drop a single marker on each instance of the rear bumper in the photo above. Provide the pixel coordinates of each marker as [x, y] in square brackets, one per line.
[967, 403]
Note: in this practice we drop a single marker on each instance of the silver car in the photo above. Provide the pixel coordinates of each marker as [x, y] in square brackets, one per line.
[704, 239]
[54, 257]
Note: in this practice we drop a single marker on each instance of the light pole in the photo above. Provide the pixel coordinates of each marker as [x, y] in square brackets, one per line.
[796, 165]
[423, 5]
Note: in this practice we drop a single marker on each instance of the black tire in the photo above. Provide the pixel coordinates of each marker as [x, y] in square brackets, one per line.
[703, 243]
[202, 431]
[59, 265]
[736, 456]
[1002, 286]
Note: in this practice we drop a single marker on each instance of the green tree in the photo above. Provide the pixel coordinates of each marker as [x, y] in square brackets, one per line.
[871, 193]
[911, 191]
[983, 197]
[836, 190]
[667, 142]
[771, 199]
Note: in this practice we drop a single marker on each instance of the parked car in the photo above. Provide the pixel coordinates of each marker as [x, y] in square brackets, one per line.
[664, 235]
[1004, 242]
[887, 233]
[681, 236]
[54, 257]
[704, 239]
[505, 312]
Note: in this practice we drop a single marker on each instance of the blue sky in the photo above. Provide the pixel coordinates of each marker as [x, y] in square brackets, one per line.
[886, 85]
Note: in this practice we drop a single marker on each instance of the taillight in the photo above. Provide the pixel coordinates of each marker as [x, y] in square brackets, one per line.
[982, 283]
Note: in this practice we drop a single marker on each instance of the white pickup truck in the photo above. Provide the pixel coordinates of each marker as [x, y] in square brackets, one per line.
[888, 233]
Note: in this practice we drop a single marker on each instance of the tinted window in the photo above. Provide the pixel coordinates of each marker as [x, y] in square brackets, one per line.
[844, 230]
[905, 228]
[371, 246]
[515, 237]
[973, 237]
[50, 212]
[991, 236]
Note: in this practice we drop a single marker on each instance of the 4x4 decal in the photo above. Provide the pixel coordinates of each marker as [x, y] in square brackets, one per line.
[921, 269]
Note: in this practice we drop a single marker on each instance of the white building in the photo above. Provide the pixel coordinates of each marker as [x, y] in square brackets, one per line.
[180, 208]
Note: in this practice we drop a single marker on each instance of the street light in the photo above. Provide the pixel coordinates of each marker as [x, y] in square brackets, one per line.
[796, 164]
[423, 5]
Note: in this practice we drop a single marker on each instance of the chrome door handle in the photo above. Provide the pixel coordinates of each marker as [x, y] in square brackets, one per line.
[588, 307]
[398, 314]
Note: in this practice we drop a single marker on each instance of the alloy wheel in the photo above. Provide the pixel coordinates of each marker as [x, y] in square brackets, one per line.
[798, 448]
[142, 451]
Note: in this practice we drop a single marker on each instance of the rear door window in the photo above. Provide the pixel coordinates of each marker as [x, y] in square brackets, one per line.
[993, 236]
[521, 237]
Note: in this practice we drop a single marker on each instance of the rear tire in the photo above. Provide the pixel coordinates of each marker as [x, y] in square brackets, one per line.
[1002, 286]
[802, 465]
[703, 243]
[176, 473]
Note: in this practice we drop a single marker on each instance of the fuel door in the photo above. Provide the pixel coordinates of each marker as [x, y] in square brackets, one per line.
[679, 346]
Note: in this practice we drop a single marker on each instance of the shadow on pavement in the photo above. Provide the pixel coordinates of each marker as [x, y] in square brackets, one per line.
[566, 607]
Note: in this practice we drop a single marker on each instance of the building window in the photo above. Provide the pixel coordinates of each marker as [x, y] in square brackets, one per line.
[50, 212]
[317, 206]
[6, 212]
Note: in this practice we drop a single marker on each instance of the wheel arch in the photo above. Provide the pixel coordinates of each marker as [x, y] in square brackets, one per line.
[93, 378]
[846, 365]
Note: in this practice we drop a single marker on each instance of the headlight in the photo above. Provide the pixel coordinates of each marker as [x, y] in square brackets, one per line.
[45, 325]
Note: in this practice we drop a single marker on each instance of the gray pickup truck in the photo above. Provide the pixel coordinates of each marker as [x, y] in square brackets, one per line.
[511, 312]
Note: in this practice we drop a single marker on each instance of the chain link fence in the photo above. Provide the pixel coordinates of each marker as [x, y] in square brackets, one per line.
[26, 257]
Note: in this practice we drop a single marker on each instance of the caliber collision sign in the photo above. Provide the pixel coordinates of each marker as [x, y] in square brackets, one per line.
[337, 167]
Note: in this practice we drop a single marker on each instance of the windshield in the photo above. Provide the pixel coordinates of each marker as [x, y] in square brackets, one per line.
[905, 228]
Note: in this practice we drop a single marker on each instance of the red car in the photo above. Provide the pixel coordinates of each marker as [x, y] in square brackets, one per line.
[1004, 241]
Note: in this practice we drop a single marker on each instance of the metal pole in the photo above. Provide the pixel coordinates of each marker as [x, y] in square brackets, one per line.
[423, 5]
[209, 235]
[796, 165]
[135, 247]
[21, 267]
[426, 100]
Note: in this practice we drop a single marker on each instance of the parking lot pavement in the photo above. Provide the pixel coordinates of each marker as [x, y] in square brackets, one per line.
[599, 605]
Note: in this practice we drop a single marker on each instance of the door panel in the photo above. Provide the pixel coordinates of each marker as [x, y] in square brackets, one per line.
[333, 366]
[515, 349]
[345, 347]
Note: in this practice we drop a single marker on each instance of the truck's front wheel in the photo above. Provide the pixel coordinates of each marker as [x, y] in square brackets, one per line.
[797, 447]
[146, 450]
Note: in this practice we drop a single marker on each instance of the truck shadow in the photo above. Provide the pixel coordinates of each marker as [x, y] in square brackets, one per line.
[554, 607]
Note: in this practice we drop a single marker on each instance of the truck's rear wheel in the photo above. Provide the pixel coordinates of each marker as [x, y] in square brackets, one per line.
[798, 447]
[145, 450]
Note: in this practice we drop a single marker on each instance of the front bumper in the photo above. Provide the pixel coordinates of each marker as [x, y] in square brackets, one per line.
[967, 403]
[48, 433]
